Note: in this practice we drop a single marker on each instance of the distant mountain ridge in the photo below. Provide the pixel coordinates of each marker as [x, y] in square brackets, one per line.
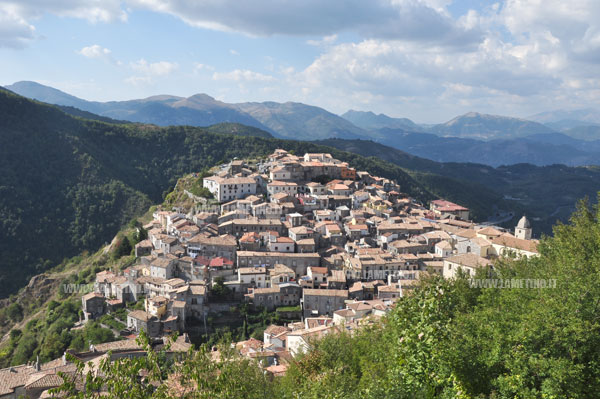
[300, 121]
[370, 121]
[161, 110]
[538, 149]
[488, 127]
[287, 120]
[577, 117]
[473, 137]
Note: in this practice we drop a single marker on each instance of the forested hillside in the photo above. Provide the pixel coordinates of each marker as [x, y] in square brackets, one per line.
[68, 184]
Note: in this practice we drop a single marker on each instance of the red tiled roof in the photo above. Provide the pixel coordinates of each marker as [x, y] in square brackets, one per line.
[220, 262]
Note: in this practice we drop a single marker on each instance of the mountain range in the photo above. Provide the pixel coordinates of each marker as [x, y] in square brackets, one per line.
[565, 119]
[370, 121]
[559, 137]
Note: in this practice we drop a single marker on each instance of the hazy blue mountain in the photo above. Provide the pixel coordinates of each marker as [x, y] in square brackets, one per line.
[565, 124]
[162, 110]
[583, 124]
[473, 137]
[565, 139]
[88, 115]
[587, 133]
[488, 127]
[584, 116]
[541, 149]
[49, 95]
[300, 121]
[371, 121]
[288, 120]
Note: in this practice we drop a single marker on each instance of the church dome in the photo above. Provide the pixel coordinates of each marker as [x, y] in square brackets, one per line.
[524, 223]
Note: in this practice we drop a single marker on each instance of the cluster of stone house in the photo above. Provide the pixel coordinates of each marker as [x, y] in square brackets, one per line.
[304, 231]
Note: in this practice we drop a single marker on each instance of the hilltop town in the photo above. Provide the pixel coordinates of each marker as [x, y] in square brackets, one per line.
[309, 233]
[309, 237]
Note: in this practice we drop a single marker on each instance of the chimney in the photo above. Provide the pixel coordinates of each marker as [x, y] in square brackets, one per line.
[64, 359]
[37, 363]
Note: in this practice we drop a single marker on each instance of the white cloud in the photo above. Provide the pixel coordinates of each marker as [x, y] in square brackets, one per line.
[160, 68]
[325, 41]
[95, 51]
[533, 55]
[233, 52]
[91, 10]
[147, 71]
[138, 80]
[15, 31]
[16, 16]
[421, 21]
[392, 75]
[242, 75]
[553, 26]
[202, 67]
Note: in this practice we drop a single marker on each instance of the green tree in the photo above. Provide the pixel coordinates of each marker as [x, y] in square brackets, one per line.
[25, 349]
[122, 247]
[219, 289]
[142, 234]
[15, 312]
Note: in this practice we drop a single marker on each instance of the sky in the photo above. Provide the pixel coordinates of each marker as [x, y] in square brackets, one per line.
[428, 60]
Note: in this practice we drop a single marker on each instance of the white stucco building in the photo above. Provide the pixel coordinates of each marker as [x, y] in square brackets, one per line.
[230, 188]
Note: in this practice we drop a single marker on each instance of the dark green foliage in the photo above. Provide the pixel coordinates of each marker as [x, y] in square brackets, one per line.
[15, 312]
[238, 129]
[25, 349]
[289, 309]
[198, 188]
[15, 334]
[122, 247]
[46, 337]
[142, 234]
[219, 290]
[110, 321]
[96, 334]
